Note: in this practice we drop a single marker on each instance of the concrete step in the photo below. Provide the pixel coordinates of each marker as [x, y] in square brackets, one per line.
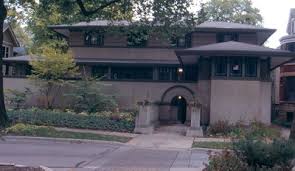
[173, 129]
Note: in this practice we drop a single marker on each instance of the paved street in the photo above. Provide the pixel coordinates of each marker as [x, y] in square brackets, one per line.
[97, 156]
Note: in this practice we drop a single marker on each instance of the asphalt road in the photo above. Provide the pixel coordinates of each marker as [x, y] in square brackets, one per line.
[96, 155]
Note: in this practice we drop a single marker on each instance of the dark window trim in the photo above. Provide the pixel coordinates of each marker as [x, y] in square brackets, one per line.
[221, 35]
[256, 69]
[215, 66]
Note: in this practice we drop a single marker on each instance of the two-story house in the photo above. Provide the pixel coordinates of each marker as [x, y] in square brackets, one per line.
[221, 66]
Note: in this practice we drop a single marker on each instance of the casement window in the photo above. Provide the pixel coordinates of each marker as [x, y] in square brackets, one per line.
[236, 66]
[132, 73]
[251, 67]
[94, 38]
[220, 66]
[100, 71]
[225, 37]
[168, 73]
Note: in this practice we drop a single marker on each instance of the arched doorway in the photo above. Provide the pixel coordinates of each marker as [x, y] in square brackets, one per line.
[181, 105]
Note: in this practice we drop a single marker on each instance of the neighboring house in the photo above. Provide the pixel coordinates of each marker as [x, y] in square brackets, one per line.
[11, 48]
[222, 66]
[285, 75]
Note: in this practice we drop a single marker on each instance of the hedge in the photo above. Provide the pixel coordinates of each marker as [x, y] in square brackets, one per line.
[70, 120]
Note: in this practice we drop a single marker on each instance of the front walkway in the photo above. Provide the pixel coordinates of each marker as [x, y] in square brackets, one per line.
[162, 141]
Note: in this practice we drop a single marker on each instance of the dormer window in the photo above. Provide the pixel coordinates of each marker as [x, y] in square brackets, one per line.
[225, 37]
[94, 38]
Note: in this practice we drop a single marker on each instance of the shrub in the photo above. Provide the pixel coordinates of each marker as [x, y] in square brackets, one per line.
[17, 99]
[29, 130]
[225, 161]
[220, 128]
[86, 95]
[71, 120]
[256, 130]
[260, 154]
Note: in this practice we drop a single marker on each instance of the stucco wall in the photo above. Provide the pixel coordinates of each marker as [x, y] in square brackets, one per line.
[236, 100]
[127, 93]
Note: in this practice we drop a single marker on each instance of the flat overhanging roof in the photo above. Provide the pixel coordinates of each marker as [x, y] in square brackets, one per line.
[233, 48]
[94, 61]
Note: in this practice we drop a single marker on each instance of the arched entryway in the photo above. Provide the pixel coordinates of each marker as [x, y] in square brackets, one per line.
[181, 104]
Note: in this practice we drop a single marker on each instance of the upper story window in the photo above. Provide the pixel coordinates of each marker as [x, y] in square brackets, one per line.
[178, 42]
[225, 37]
[94, 38]
[220, 66]
[5, 51]
[236, 66]
[251, 67]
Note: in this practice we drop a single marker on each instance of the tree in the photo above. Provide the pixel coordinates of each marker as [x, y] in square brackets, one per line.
[50, 70]
[14, 7]
[3, 115]
[238, 11]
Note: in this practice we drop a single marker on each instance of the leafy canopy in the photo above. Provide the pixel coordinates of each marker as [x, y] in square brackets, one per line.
[238, 11]
[53, 64]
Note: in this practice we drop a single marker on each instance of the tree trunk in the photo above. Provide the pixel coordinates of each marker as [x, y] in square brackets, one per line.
[3, 115]
[292, 134]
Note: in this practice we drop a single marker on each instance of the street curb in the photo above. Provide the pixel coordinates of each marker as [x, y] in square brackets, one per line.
[68, 140]
[207, 149]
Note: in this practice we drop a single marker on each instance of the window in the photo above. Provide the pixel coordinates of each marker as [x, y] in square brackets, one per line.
[181, 42]
[94, 38]
[251, 67]
[220, 66]
[236, 66]
[225, 37]
[100, 71]
[132, 73]
[5, 51]
[168, 73]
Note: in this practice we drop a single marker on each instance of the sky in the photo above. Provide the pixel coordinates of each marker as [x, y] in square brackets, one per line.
[275, 15]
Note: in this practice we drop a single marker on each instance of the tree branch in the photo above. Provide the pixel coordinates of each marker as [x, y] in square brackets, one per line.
[88, 13]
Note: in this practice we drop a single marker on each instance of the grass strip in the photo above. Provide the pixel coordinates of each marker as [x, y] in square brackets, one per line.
[46, 131]
[212, 145]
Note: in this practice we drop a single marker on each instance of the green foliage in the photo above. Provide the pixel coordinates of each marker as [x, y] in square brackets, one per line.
[225, 161]
[255, 130]
[220, 128]
[16, 99]
[86, 96]
[46, 131]
[261, 154]
[238, 11]
[51, 69]
[71, 120]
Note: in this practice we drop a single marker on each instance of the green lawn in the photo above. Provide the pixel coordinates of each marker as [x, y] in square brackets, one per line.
[45, 131]
[213, 145]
